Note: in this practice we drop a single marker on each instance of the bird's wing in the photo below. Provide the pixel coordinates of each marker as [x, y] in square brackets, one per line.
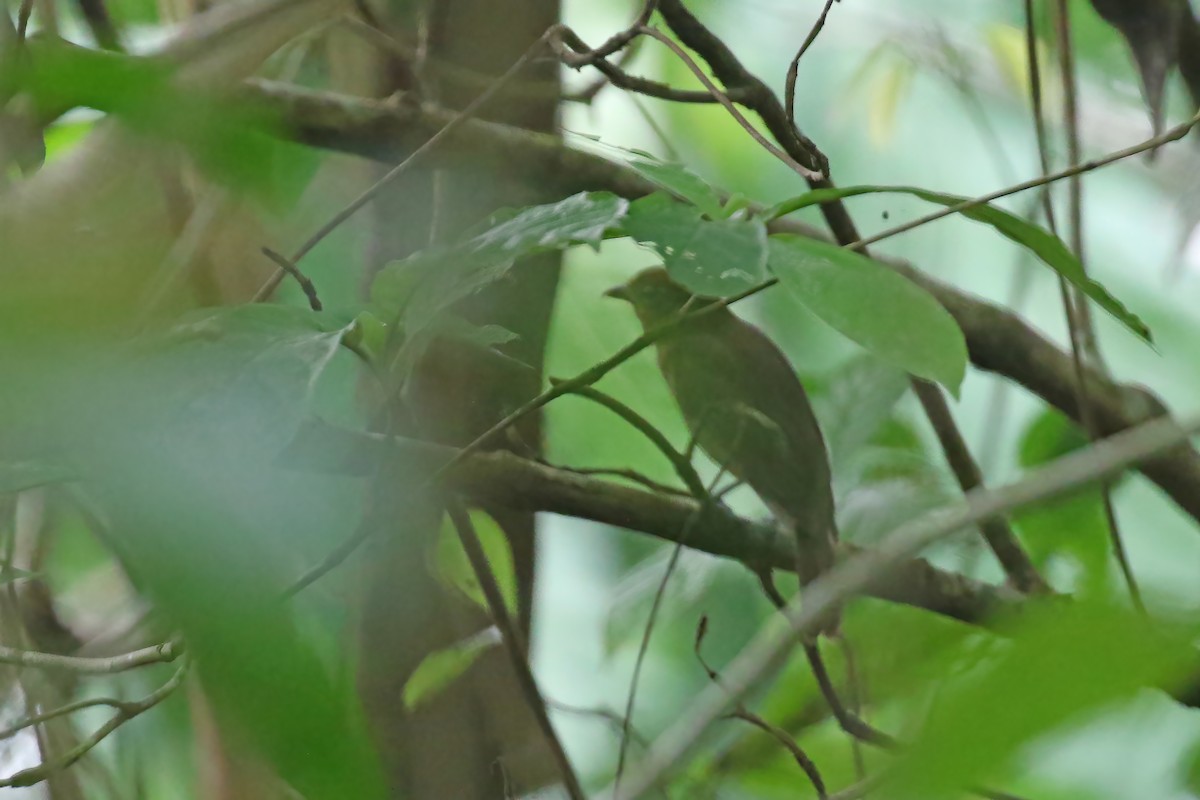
[753, 416]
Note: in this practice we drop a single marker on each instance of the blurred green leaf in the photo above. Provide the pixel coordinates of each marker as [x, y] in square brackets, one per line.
[1075, 525]
[857, 399]
[442, 667]
[454, 568]
[715, 258]
[1043, 244]
[1192, 769]
[683, 183]
[1049, 436]
[887, 314]
[177, 443]
[1063, 660]
[233, 141]
[633, 597]
[62, 136]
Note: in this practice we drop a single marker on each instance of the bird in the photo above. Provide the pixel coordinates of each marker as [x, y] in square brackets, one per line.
[746, 408]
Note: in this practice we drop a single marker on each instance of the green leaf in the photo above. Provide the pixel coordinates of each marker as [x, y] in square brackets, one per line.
[683, 183]
[1063, 660]
[422, 288]
[454, 568]
[890, 316]
[579, 219]
[442, 667]
[1043, 244]
[714, 258]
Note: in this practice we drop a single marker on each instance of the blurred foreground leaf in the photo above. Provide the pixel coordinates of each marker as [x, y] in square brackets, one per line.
[442, 667]
[1063, 660]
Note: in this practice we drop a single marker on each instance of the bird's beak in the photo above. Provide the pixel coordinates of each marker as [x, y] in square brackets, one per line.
[619, 292]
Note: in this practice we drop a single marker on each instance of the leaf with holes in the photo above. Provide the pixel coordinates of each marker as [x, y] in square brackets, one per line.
[716, 258]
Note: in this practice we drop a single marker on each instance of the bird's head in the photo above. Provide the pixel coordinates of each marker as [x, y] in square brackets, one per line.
[653, 295]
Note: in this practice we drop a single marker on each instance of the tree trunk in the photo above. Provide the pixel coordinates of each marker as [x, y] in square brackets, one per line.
[477, 735]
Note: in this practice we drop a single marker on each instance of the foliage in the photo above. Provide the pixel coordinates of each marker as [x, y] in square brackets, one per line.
[188, 463]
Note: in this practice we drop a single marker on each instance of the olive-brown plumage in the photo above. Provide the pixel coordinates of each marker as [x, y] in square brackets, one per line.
[742, 401]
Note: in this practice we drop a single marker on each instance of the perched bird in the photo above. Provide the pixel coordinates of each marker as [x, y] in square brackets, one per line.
[746, 409]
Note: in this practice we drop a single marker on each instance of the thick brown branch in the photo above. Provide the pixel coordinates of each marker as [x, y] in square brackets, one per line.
[501, 478]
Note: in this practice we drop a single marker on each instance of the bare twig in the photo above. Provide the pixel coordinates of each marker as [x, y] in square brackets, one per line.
[623, 80]
[514, 644]
[644, 645]
[680, 461]
[996, 532]
[306, 285]
[630, 475]
[1084, 346]
[156, 654]
[125, 712]
[802, 759]
[617, 41]
[789, 91]
[724, 100]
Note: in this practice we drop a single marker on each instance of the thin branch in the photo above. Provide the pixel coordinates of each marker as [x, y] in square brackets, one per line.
[617, 41]
[630, 475]
[1078, 324]
[156, 654]
[508, 480]
[680, 461]
[623, 80]
[996, 532]
[306, 285]
[802, 759]
[125, 712]
[644, 644]
[724, 100]
[514, 644]
[789, 91]
[1171, 135]
[830, 591]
